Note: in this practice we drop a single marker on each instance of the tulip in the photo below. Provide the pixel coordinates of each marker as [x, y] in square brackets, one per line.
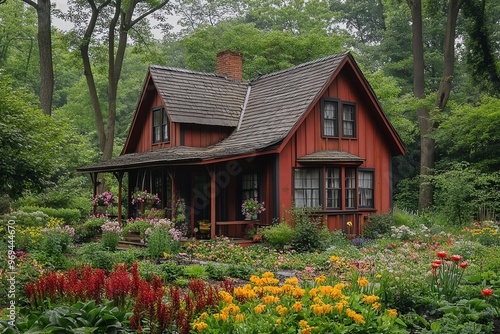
[487, 292]
[435, 265]
[463, 265]
[442, 254]
[456, 258]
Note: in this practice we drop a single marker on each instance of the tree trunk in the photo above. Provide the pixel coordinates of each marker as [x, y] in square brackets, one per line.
[45, 54]
[427, 145]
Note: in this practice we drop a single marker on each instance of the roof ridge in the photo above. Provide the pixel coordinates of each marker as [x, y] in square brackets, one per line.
[183, 70]
[338, 55]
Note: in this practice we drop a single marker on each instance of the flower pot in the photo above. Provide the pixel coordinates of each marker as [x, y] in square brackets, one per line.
[254, 217]
[248, 216]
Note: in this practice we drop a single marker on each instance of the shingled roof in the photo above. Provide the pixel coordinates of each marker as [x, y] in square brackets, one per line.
[276, 103]
[199, 98]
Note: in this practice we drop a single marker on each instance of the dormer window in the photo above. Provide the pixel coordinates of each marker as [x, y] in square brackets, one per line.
[161, 130]
[337, 115]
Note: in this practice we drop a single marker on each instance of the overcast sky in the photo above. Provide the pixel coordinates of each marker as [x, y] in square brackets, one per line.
[62, 5]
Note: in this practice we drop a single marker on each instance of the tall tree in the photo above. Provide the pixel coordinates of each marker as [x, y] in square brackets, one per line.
[426, 120]
[113, 22]
[45, 51]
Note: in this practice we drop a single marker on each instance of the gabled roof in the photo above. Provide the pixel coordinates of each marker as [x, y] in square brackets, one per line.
[330, 156]
[276, 104]
[199, 98]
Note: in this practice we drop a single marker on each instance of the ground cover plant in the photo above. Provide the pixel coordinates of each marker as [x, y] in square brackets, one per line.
[415, 277]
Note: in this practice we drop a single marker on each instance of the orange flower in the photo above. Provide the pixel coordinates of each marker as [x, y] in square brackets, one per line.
[297, 307]
[259, 308]
[363, 282]
[392, 313]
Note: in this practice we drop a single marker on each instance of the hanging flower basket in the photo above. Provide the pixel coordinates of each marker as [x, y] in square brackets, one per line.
[104, 199]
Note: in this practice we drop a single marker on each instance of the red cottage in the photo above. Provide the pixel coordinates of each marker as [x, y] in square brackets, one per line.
[313, 135]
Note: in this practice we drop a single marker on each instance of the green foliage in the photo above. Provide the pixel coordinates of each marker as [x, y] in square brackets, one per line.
[278, 235]
[461, 191]
[69, 216]
[136, 226]
[378, 225]
[195, 271]
[216, 272]
[27, 219]
[78, 318]
[90, 228]
[169, 271]
[159, 242]
[242, 271]
[309, 232]
[406, 195]
[95, 255]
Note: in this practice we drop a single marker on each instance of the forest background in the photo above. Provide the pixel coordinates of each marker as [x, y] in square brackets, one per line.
[67, 97]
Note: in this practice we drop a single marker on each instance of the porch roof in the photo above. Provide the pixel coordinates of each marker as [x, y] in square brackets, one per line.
[330, 156]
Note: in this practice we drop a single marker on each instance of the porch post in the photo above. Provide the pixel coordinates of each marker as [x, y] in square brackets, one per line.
[119, 177]
[212, 203]
[93, 177]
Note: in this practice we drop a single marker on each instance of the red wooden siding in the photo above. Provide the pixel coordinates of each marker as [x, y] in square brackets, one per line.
[196, 135]
[368, 144]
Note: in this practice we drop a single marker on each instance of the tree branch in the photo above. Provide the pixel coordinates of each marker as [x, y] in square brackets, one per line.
[152, 10]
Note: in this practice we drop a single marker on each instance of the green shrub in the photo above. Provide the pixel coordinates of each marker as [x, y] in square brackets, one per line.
[169, 271]
[28, 219]
[242, 271]
[136, 226]
[70, 216]
[159, 242]
[95, 255]
[310, 234]
[216, 272]
[378, 225]
[195, 271]
[278, 235]
[90, 228]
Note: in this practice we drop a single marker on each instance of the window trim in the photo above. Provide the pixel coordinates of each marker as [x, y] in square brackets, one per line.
[164, 122]
[339, 118]
[372, 171]
[336, 117]
[323, 195]
[354, 120]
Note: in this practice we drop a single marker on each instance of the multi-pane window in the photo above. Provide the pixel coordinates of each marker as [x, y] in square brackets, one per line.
[330, 118]
[250, 187]
[334, 118]
[160, 126]
[365, 189]
[350, 188]
[333, 189]
[348, 120]
[306, 187]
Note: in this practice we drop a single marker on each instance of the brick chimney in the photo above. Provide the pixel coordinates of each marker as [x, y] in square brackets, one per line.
[230, 64]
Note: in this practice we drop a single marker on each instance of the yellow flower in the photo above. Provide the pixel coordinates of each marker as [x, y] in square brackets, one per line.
[270, 299]
[239, 318]
[392, 312]
[349, 223]
[334, 258]
[378, 276]
[267, 274]
[370, 299]
[298, 292]
[376, 306]
[292, 281]
[278, 321]
[355, 316]
[165, 255]
[297, 307]
[223, 316]
[320, 279]
[363, 282]
[302, 323]
[259, 308]
[204, 315]
[281, 310]
[313, 292]
[200, 326]
[226, 297]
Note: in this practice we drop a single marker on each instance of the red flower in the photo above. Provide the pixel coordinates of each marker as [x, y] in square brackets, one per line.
[437, 262]
[463, 265]
[456, 258]
[442, 254]
[487, 292]
[435, 265]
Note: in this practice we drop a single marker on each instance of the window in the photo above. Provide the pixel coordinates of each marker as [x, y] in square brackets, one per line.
[332, 121]
[306, 187]
[333, 189]
[250, 187]
[348, 120]
[161, 131]
[330, 118]
[365, 189]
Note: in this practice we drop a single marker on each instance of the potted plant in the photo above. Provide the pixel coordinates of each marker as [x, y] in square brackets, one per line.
[251, 208]
[144, 197]
[104, 199]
